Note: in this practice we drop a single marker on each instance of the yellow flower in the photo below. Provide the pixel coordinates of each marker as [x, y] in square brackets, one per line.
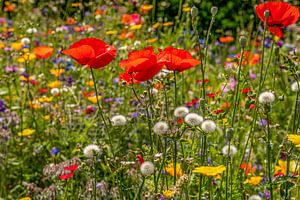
[156, 25]
[55, 84]
[34, 105]
[57, 72]
[45, 99]
[170, 169]
[152, 40]
[26, 57]
[111, 32]
[76, 4]
[26, 132]
[254, 180]
[186, 9]
[93, 99]
[295, 139]
[168, 194]
[89, 83]
[281, 167]
[2, 45]
[135, 27]
[47, 117]
[16, 45]
[25, 198]
[168, 24]
[23, 78]
[210, 171]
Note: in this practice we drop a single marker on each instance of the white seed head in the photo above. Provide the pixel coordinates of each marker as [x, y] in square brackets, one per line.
[147, 168]
[208, 126]
[90, 150]
[181, 111]
[295, 87]
[25, 40]
[161, 128]
[255, 197]
[118, 120]
[232, 152]
[266, 98]
[193, 119]
[54, 91]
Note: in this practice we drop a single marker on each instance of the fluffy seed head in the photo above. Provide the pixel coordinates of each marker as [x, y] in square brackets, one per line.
[147, 168]
[118, 120]
[255, 197]
[90, 150]
[181, 111]
[161, 128]
[208, 126]
[193, 119]
[232, 152]
[266, 98]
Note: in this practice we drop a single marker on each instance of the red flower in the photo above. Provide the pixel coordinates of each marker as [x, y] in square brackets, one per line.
[141, 159]
[43, 52]
[281, 15]
[66, 176]
[91, 52]
[248, 168]
[129, 78]
[141, 64]
[177, 59]
[254, 59]
[71, 167]
[245, 91]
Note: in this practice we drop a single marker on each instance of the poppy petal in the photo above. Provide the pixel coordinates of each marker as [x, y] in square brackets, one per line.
[82, 54]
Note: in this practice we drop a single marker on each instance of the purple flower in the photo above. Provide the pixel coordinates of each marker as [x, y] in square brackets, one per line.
[116, 80]
[54, 151]
[134, 115]
[2, 106]
[232, 83]
[252, 75]
[262, 122]
[266, 194]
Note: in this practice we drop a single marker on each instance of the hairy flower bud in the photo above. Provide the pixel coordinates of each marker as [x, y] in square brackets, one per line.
[194, 11]
[214, 10]
[229, 133]
[266, 14]
[243, 41]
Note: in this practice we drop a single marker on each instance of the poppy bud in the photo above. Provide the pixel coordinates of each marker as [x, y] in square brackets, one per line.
[243, 41]
[229, 133]
[194, 11]
[276, 50]
[214, 10]
[266, 14]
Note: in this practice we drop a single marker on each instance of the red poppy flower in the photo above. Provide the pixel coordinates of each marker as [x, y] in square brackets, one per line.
[245, 91]
[66, 176]
[129, 78]
[43, 52]
[177, 59]
[91, 52]
[281, 15]
[248, 168]
[141, 159]
[43, 90]
[252, 106]
[71, 167]
[141, 64]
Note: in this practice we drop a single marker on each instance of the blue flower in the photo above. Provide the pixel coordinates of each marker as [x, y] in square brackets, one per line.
[54, 151]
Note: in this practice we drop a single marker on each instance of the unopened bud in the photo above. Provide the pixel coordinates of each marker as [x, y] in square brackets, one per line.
[266, 14]
[243, 41]
[194, 11]
[214, 10]
[229, 133]
[276, 50]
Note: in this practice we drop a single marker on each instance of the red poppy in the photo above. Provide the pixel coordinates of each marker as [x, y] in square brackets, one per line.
[177, 59]
[226, 39]
[43, 90]
[254, 59]
[281, 15]
[142, 65]
[245, 91]
[141, 159]
[71, 167]
[43, 52]
[205, 81]
[91, 52]
[66, 176]
[129, 78]
[252, 106]
[248, 168]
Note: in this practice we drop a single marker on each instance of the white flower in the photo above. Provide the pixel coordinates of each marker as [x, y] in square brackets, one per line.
[266, 98]
[294, 86]
[181, 111]
[208, 126]
[31, 30]
[54, 91]
[25, 40]
[90, 150]
[255, 197]
[154, 91]
[232, 152]
[118, 120]
[147, 168]
[193, 119]
[161, 128]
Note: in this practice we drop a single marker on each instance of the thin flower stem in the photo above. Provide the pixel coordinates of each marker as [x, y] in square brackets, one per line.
[162, 164]
[175, 82]
[175, 160]
[141, 188]
[269, 138]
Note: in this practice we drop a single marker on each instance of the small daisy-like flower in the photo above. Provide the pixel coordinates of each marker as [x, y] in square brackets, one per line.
[90, 150]
[208, 126]
[118, 120]
[295, 87]
[147, 168]
[193, 119]
[295, 139]
[255, 197]
[232, 152]
[25, 40]
[161, 128]
[266, 98]
[181, 111]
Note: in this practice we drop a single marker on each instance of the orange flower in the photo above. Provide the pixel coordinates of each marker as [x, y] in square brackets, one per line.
[43, 52]
[70, 21]
[226, 39]
[146, 8]
[254, 59]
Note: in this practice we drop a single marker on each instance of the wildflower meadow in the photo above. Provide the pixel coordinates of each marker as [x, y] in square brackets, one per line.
[149, 99]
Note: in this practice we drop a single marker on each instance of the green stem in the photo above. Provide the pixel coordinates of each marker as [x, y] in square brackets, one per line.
[269, 155]
[175, 160]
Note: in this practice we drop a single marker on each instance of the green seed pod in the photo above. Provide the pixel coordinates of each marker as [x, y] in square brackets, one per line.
[194, 11]
[243, 41]
[266, 14]
[214, 10]
[229, 133]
